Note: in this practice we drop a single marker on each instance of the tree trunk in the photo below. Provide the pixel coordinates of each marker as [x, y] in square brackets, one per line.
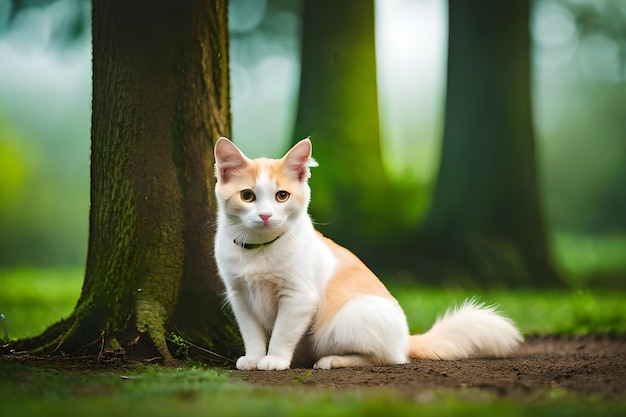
[160, 100]
[486, 211]
[338, 109]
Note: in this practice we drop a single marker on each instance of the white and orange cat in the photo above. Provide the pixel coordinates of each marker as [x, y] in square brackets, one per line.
[302, 300]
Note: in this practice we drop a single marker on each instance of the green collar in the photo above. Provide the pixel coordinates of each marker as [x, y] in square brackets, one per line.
[255, 245]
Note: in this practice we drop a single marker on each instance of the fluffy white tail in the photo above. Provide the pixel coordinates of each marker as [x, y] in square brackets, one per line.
[472, 329]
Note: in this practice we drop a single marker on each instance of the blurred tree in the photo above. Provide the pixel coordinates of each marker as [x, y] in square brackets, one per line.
[160, 99]
[338, 108]
[486, 215]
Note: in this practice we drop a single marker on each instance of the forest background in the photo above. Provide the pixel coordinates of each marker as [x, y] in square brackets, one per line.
[578, 100]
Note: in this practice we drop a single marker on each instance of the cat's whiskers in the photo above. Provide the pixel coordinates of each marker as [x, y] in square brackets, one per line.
[238, 230]
[243, 234]
[240, 234]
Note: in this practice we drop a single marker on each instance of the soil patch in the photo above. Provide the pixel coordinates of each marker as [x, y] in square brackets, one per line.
[584, 364]
[592, 365]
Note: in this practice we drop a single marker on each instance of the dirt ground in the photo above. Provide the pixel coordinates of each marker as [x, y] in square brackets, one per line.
[593, 365]
[585, 364]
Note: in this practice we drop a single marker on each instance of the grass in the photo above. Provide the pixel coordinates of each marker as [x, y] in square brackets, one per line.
[157, 391]
[32, 299]
[564, 312]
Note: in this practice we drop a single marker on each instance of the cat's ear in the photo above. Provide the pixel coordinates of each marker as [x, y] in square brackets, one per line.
[299, 159]
[229, 160]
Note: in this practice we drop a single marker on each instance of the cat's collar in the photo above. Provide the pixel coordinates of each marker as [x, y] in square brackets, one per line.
[244, 245]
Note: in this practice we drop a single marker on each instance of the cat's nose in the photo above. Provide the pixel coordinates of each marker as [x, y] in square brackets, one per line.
[265, 217]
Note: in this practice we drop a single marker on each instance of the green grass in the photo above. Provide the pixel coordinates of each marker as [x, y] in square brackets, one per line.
[157, 391]
[32, 299]
[552, 312]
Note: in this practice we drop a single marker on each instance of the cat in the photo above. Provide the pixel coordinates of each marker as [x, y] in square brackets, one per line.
[302, 300]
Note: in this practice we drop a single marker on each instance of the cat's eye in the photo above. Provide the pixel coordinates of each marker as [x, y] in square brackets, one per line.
[247, 195]
[282, 196]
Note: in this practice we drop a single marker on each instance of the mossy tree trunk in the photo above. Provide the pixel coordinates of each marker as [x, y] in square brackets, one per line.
[338, 109]
[486, 213]
[160, 100]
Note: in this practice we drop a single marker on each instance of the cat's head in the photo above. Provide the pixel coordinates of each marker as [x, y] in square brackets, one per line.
[262, 195]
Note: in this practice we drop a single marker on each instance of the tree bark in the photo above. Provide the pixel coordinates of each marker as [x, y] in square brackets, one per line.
[160, 100]
[338, 109]
[486, 211]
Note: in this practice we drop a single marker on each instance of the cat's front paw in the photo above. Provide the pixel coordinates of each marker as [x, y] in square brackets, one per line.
[273, 363]
[247, 363]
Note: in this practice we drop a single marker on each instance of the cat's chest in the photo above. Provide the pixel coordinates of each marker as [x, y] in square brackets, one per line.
[263, 267]
[262, 293]
[262, 297]
[261, 286]
[264, 284]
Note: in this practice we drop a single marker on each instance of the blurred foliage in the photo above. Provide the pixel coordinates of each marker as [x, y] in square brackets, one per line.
[71, 18]
[592, 261]
[43, 210]
[14, 169]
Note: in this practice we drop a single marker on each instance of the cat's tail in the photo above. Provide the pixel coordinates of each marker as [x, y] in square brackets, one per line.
[469, 330]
